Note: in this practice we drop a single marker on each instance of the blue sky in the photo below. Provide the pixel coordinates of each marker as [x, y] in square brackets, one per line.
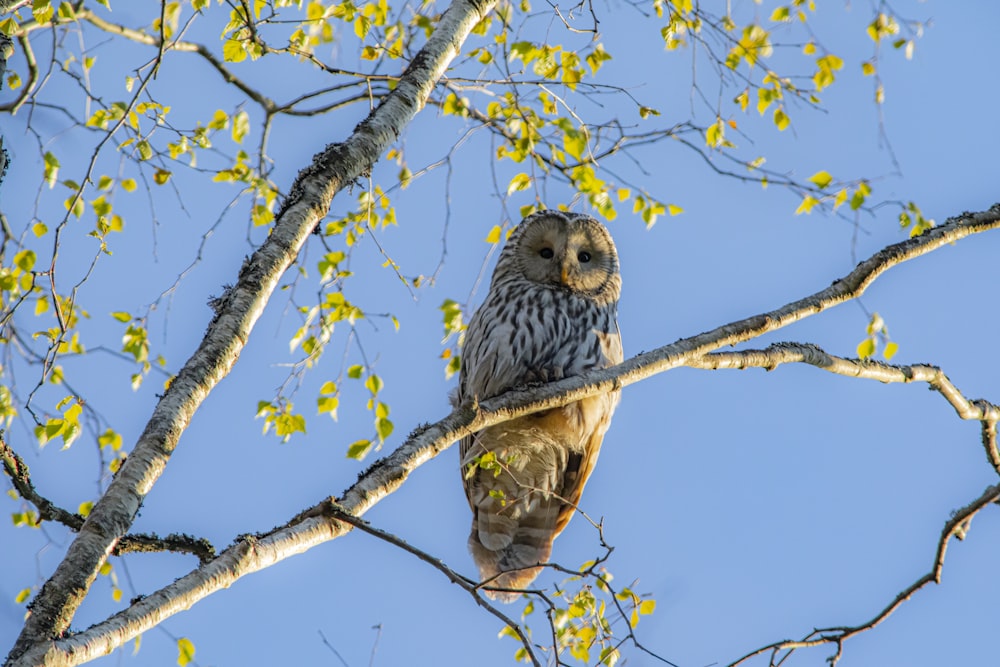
[752, 506]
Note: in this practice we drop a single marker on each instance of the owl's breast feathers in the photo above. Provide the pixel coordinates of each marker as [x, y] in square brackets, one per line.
[536, 335]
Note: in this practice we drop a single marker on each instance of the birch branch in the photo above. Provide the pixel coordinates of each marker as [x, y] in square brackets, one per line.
[236, 313]
[787, 353]
[316, 525]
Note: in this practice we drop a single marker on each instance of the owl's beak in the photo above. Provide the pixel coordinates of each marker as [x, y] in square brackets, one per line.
[564, 275]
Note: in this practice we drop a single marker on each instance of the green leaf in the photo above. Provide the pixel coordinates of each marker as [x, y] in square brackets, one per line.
[110, 439]
[890, 350]
[145, 150]
[781, 14]
[51, 169]
[233, 51]
[185, 651]
[327, 405]
[42, 10]
[359, 449]
[374, 384]
[520, 182]
[22, 596]
[384, 428]
[715, 134]
[781, 119]
[866, 348]
[354, 372]
[575, 143]
[241, 126]
[455, 106]
[25, 260]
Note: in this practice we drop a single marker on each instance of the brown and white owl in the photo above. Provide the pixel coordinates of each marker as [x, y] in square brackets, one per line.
[550, 313]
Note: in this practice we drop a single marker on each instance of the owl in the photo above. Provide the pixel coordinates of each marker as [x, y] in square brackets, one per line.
[551, 313]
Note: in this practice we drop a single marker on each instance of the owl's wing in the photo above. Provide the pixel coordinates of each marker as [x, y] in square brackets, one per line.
[595, 416]
[484, 369]
[596, 412]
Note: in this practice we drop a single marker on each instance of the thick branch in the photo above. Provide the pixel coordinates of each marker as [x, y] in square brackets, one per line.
[309, 200]
[315, 526]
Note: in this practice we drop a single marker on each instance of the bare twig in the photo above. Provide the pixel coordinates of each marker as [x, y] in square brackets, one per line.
[470, 586]
[956, 526]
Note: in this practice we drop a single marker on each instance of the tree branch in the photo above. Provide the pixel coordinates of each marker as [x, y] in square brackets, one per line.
[383, 477]
[956, 526]
[785, 353]
[309, 200]
[17, 470]
[470, 586]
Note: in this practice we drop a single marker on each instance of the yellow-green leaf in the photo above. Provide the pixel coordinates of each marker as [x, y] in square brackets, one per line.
[359, 449]
[241, 126]
[715, 134]
[781, 14]
[520, 182]
[185, 651]
[494, 235]
[890, 350]
[866, 348]
[22, 596]
[807, 205]
[145, 150]
[821, 179]
[42, 10]
[233, 51]
[781, 119]
[25, 260]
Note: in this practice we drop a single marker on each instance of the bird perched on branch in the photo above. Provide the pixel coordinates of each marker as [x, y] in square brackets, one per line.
[551, 313]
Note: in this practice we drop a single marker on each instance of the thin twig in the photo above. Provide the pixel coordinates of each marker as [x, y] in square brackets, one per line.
[956, 526]
[468, 585]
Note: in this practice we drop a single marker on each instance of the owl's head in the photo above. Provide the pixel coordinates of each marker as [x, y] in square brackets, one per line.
[571, 251]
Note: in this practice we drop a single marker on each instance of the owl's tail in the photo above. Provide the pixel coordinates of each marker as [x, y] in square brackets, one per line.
[510, 552]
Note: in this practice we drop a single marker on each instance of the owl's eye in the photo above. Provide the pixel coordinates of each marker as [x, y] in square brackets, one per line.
[546, 253]
[583, 256]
